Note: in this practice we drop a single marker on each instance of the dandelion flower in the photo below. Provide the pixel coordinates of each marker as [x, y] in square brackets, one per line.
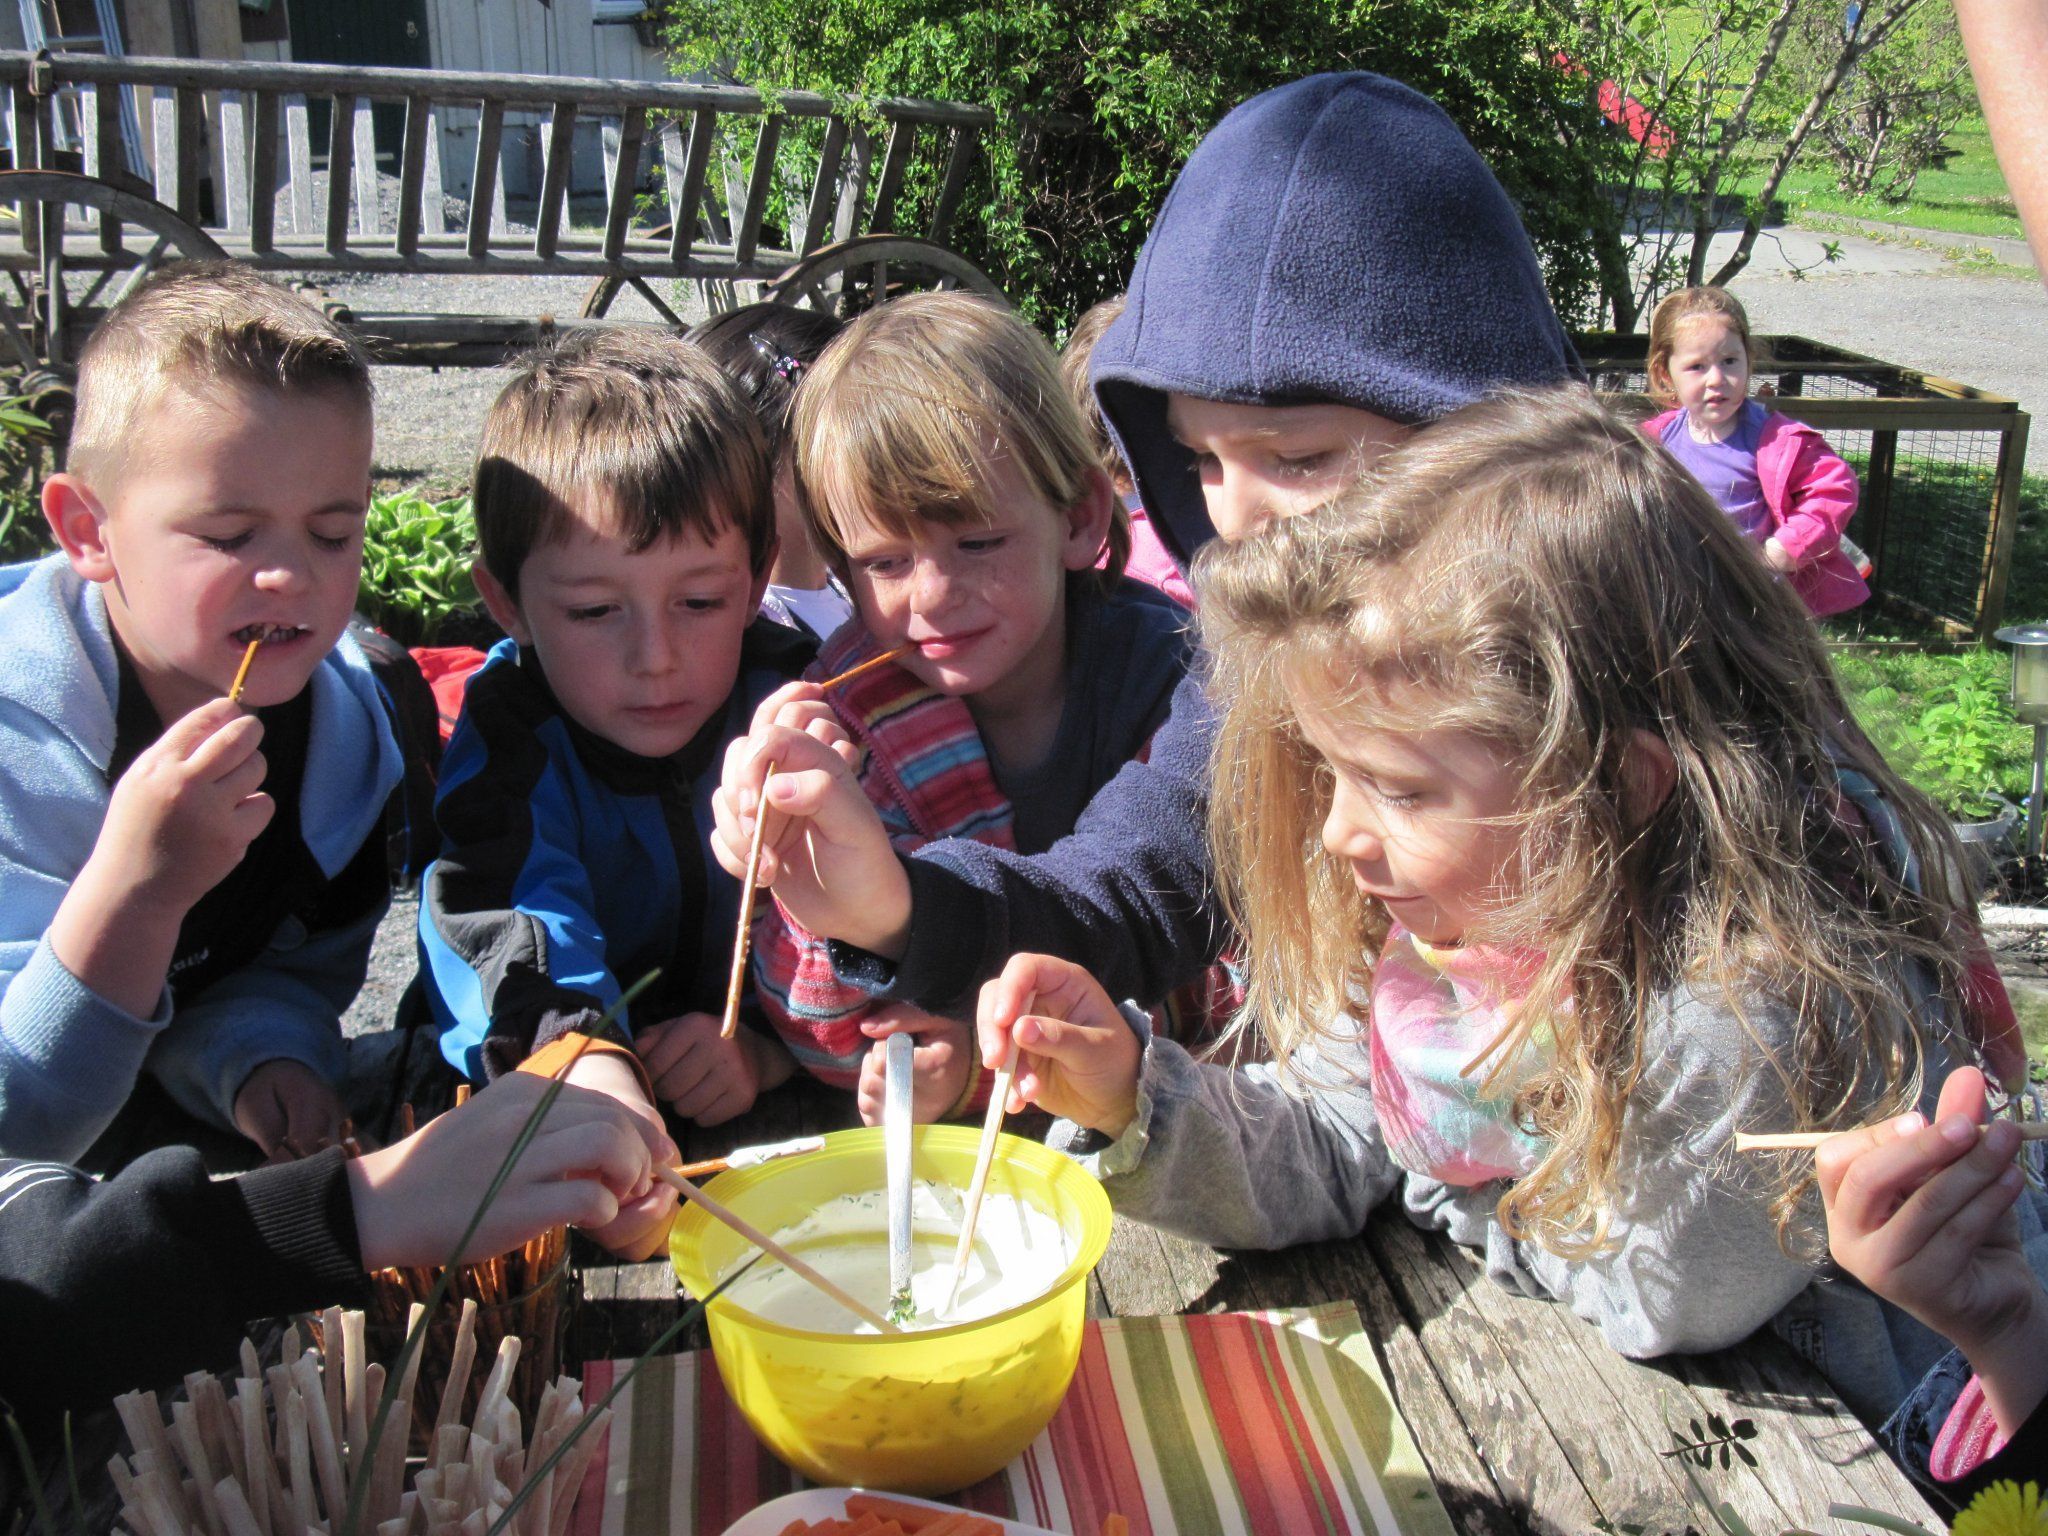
[2004, 1509]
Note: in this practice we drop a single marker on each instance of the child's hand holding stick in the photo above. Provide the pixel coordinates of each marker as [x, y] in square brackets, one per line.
[823, 848]
[1050, 1023]
[1923, 1215]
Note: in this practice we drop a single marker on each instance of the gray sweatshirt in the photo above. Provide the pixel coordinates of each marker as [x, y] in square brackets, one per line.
[1232, 1157]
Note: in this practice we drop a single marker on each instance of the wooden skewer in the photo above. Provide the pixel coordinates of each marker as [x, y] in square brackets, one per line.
[1806, 1141]
[772, 1248]
[242, 672]
[737, 981]
[984, 1160]
[751, 884]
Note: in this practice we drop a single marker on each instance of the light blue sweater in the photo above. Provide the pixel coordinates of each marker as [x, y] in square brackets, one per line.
[68, 1057]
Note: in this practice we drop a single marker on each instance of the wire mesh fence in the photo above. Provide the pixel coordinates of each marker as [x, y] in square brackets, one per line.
[1939, 464]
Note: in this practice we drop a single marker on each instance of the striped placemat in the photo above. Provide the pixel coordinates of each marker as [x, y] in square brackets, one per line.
[1248, 1423]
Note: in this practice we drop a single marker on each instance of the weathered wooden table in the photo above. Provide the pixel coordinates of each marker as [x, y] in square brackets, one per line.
[1529, 1422]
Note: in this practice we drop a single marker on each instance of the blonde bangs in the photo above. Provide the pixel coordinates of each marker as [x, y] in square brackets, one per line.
[903, 415]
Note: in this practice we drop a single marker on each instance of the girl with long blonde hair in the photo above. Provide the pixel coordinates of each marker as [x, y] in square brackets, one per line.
[1558, 859]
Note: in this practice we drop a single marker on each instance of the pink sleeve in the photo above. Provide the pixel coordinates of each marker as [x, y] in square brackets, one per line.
[1968, 1438]
[1821, 498]
[814, 1013]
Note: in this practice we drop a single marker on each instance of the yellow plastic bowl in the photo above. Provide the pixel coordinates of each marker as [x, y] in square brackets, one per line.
[924, 1412]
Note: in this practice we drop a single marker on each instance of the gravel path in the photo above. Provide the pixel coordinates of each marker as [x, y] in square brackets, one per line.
[1909, 305]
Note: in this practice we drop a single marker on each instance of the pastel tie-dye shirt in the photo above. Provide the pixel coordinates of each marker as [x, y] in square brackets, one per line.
[1437, 1013]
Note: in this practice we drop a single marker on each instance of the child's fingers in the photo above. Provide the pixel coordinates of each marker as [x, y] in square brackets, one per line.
[680, 1082]
[867, 1093]
[769, 710]
[251, 816]
[224, 750]
[184, 736]
[1011, 994]
[1963, 1093]
[600, 1150]
[1057, 1040]
[243, 779]
[1948, 1248]
[661, 1046]
[1834, 1157]
[1905, 1187]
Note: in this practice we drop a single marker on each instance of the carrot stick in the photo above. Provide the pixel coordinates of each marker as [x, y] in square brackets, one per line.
[867, 666]
[242, 672]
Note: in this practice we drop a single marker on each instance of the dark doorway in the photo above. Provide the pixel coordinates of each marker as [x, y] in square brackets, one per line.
[387, 32]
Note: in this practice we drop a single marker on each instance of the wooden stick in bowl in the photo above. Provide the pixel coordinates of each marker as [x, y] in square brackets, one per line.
[761, 1240]
[984, 1160]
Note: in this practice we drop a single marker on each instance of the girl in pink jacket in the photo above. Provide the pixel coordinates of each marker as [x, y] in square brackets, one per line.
[1786, 489]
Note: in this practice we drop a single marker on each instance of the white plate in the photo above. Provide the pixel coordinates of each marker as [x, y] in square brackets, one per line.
[830, 1504]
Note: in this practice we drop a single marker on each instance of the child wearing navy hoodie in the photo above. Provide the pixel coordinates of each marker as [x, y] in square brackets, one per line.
[1334, 266]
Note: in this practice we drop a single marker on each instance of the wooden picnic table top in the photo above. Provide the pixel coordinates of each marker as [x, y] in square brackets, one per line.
[1528, 1421]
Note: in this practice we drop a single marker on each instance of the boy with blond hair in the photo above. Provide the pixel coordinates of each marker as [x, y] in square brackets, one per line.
[625, 514]
[173, 900]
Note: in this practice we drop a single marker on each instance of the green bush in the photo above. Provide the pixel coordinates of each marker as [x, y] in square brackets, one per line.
[23, 438]
[416, 559]
[1147, 78]
[1943, 722]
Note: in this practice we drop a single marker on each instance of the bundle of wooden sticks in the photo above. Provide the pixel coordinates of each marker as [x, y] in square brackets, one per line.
[284, 1456]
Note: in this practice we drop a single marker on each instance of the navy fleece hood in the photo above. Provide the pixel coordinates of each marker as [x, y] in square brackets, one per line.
[1332, 239]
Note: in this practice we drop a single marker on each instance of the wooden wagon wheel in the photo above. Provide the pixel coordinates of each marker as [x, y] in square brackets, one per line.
[857, 274]
[604, 292]
[37, 338]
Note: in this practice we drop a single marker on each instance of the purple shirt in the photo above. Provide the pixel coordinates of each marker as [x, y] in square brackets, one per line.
[1727, 468]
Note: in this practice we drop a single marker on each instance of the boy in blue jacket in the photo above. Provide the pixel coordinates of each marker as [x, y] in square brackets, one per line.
[625, 513]
[1334, 266]
[173, 900]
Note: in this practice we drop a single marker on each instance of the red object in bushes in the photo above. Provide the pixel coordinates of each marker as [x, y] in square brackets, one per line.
[1623, 110]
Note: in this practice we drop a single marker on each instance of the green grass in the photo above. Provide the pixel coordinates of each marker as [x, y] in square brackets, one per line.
[1938, 712]
[1967, 197]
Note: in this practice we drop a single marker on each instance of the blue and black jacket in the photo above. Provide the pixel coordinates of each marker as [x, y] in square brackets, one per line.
[571, 867]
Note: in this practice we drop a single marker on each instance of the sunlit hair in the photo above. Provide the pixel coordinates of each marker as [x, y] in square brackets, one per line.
[641, 431]
[1074, 357]
[898, 420]
[1671, 316]
[1533, 571]
[196, 327]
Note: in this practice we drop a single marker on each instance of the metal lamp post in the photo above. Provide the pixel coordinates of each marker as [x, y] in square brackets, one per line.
[2029, 644]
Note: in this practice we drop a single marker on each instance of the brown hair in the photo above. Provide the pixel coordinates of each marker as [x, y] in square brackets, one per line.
[1674, 312]
[643, 430]
[199, 325]
[768, 348]
[1553, 582]
[898, 418]
[1074, 373]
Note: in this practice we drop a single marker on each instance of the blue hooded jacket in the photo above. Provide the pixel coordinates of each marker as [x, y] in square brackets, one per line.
[1332, 239]
[1335, 239]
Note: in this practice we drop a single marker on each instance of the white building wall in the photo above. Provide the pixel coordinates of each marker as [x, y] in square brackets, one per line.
[528, 38]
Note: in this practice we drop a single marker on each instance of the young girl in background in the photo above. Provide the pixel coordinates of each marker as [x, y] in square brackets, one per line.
[952, 485]
[1527, 761]
[1788, 492]
[768, 348]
